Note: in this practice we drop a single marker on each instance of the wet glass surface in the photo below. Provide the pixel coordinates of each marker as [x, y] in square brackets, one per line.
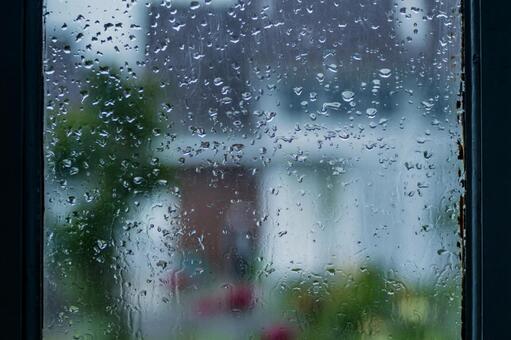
[229, 169]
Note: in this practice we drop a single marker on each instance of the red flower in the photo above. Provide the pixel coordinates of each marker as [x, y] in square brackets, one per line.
[278, 332]
[240, 298]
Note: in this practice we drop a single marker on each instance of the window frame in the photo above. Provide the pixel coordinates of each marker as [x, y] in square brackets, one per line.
[495, 82]
[22, 97]
[32, 169]
[471, 204]
[486, 74]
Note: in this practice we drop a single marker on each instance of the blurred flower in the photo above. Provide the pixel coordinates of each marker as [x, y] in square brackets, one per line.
[278, 332]
[240, 298]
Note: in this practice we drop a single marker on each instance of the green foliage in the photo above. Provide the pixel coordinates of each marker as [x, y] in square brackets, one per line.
[103, 145]
[369, 305]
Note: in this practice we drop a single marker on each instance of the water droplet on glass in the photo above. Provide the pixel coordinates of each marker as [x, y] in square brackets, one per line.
[194, 5]
[371, 112]
[384, 72]
[348, 96]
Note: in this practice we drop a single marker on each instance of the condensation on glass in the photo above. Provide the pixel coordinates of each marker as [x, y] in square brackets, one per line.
[252, 169]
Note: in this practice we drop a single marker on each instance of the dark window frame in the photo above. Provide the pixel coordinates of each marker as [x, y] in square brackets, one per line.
[470, 222]
[487, 116]
[22, 108]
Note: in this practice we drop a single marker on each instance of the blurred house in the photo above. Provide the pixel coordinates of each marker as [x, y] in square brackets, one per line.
[314, 109]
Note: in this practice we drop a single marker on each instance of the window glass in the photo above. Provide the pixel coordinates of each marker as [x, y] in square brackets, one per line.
[252, 169]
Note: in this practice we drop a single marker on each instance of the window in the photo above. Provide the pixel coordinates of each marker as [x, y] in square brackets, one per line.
[258, 169]
[48, 285]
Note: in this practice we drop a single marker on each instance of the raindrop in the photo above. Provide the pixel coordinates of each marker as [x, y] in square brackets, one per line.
[332, 68]
[371, 112]
[385, 73]
[348, 96]
[138, 180]
[331, 105]
[194, 5]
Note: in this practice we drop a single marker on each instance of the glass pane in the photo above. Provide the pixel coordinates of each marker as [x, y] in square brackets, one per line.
[252, 169]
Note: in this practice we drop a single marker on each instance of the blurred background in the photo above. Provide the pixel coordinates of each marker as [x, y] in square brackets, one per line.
[229, 169]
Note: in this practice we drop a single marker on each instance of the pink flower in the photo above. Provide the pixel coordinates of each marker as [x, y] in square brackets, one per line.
[240, 298]
[237, 298]
[278, 332]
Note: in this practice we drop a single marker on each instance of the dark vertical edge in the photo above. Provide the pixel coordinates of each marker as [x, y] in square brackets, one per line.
[32, 168]
[496, 163]
[475, 207]
[11, 151]
[472, 283]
